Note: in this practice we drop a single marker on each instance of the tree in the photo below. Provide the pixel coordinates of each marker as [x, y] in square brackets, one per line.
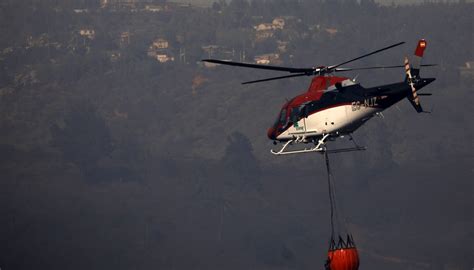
[84, 138]
[240, 162]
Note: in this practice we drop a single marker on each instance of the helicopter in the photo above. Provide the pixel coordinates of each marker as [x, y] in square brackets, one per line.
[335, 106]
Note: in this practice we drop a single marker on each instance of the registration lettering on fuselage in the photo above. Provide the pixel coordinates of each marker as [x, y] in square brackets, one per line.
[367, 103]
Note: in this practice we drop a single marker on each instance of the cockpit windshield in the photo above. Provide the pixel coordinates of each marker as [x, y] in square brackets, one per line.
[291, 114]
[282, 118]
[294, 114]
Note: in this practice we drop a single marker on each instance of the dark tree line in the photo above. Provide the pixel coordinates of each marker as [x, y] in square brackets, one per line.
[126, 163]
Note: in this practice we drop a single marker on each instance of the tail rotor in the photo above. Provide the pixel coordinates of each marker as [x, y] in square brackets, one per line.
[412, 78]
[413, 98]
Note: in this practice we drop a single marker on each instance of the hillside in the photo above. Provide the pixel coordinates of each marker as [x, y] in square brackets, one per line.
[120, 149]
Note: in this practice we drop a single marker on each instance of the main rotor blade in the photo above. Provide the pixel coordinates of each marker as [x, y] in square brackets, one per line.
[365, 55]
[247, 65]
[277, 78]
[377, 67]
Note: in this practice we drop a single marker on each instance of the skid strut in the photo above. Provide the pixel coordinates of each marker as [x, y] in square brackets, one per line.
[319, 147]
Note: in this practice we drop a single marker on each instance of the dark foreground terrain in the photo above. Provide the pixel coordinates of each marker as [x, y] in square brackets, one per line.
[110, 159]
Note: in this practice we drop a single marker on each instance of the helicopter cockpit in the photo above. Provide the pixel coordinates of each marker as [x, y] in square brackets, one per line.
[288, 115]
[280, 123]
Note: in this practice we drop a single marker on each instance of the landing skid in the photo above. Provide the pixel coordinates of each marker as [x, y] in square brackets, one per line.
[342, 150]
[320, 147]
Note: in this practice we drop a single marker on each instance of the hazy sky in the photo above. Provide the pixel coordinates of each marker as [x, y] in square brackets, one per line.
[112, 160]
[402, 2]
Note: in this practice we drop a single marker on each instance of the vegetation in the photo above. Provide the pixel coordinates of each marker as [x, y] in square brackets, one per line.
[111, 159]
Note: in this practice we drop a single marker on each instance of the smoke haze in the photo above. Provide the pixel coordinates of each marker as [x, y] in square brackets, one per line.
[111, 159]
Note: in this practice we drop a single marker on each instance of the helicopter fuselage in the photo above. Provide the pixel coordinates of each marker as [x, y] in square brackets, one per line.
[336, 106]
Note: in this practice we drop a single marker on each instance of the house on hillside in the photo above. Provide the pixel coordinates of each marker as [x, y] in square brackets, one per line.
[124, 39]
[269, 58]
[220, 52]
[160, 43]
[87, 33]
[263, 35]
[118, 3]
[209, 50]
[87, 36]
[114, 55]
[136, 5]
[41, 41]
[331, 31]
[267, 30]
[156, 7]
[81, 10]
[160, 50]
[164, 57]
[263, 27]
[467, 71]
[278, 23]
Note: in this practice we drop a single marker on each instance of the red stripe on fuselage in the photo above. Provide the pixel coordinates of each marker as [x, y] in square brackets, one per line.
[318, 85]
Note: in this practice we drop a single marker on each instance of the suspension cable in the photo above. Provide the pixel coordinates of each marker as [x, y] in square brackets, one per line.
[336, 224]
[331, 197]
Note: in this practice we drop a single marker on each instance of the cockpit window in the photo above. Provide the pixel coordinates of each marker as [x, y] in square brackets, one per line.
[306, 108]
[282, 119]
[294, 114]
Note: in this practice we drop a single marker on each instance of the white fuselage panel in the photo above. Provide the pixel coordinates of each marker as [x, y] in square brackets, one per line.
[342, 119]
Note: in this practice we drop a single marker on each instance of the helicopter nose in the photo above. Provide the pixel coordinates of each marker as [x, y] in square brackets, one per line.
[271, 133]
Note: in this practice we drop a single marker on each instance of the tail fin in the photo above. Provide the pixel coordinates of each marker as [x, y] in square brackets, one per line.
[416, 59]
[413, 74]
